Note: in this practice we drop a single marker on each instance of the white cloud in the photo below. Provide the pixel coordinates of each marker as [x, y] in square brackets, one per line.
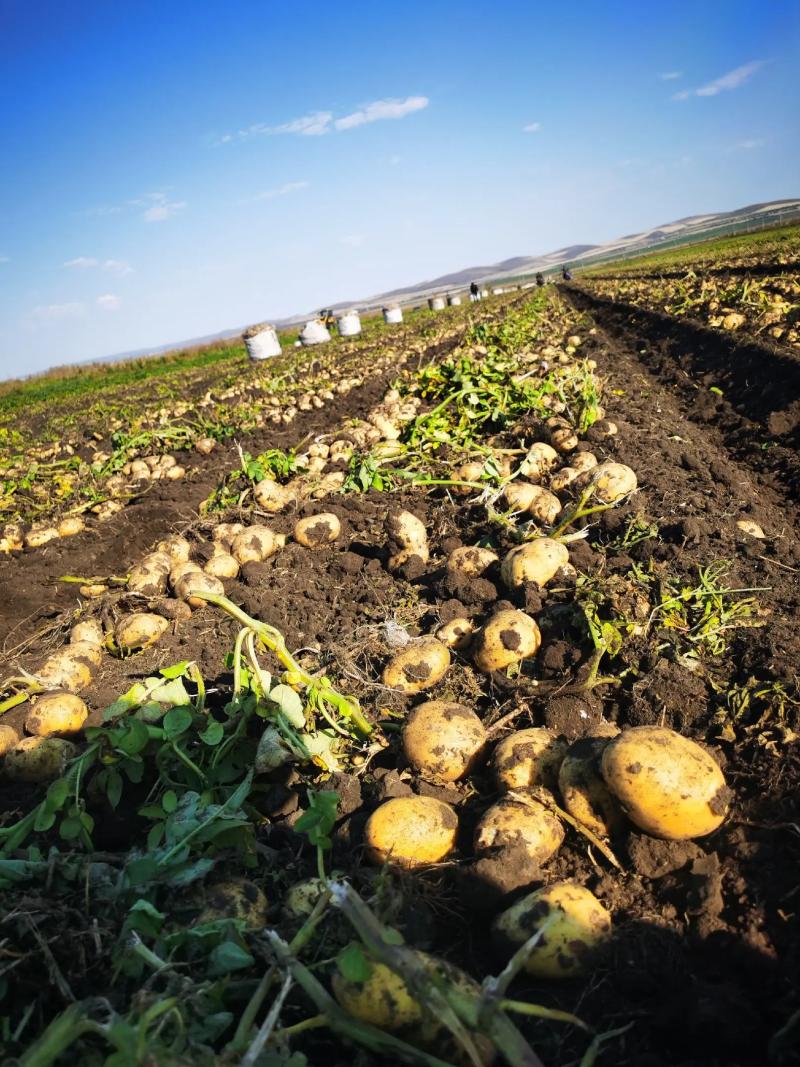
[161, 207]
[81, 261]
[732, 80]
[533, 128]
[670, 75]
[106, 209]
[120, 267]
[308, 126]
[109, 302]
[352, 240]
[382, 109]
[750, 144]
[282, 190]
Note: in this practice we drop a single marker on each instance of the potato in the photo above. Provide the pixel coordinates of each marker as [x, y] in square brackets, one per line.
[577, 933]
[14, 535]
[586, 796]
[177, 548]
[180, 570]
[540, 458]
[519, 495]
[601, 429]
[222, 565]
[419, 666]
[205, 445]
[468, 472]
[751, 528]
[236, 898]
[612, 482]
[456, 634]
[410, 832]
[509, 823]
[136, 632]
[471, 562]
[198, 580]
[407, 537]
[72, 668]
[301, 898]
[668, 785]
[443, 740]
[70, 527]
[37, 538]
[383, 999]
[317, 531]
[270, 496]
[254, 545]
[56, 714]
[508, 637]
[563, 479]
[149, 577]
[545, 506]
[564, 440]
[8, 738]
[226, 531]
[529, 758]
[330, 483]
[88, 631]
[36, 758]
[535, 561]
[92, 591]
[583, 461]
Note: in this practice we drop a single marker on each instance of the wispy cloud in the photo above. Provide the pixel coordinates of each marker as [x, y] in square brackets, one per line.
[161, 207]
[109, 302]
[533, 128]
[119, 267]
[59, 311]
[671, 75]
[289, 187]
[313, 125]
[732, 80]
[750, 144]
[382, 109]
[104, 209]
[353, 240]
[81, 261]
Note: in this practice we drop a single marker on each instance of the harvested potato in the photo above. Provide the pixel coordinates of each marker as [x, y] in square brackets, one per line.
[545, 506]
[56, 715]
[181, 570]
[578, 928]
[205, 445]
[456, 634]
[443, 740]
[14, 535]
[540, 458]
[563, 479]
[34, 759]
[254, 545]
[301, 898]
[468, 472]
[221, 565]
[601, 429]
[92, 591]
[612, 482]
[89, 631]
[317, 531]
[70, 527]
[177, 548]
[751, 528]
[508, 823]
[564, 440]
[226, 531]
[471, 562]
[201, 582]
[37, 538]
[519, 495]
[270, 496]
[407, 537]
[586, 796]
[236, 898]
[668, 785]
[535, 561]
[71, 668]
[419, 666]
[529, 758]
[150, 576]
[410, 831]
[330, 483]
[508, 637]
[136, 632]
[583, 461]
[8, 738]
[382, 1000]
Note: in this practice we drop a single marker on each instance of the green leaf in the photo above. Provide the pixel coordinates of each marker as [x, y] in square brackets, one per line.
[172, 693]
[353, 964]
[320, 818]
[169, 801]
[176, 722]
[612, 638]
[152, 812]
[175, 672]
[144, 919]
[290, 704]
[113, 787]
[57, 794]
[155, 835]
[44, 819]
[391, 936]
[213, 733]
[228, 957]
[141, 870]
[71, 828]
[133, 738]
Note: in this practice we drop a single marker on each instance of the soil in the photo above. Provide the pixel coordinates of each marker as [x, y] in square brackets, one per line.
[705, 962]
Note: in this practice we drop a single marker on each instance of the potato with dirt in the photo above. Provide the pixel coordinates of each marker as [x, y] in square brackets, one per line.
[443, 740]
[419, 666]
[535, 561]
[8, 738]
[149, 577]
[72, 668]
[668, 785]
[35, 759]
[471, 562]
[254, 544]
[456, 634]
[236, 898]
[407, 538]
[586, 796]
[511, 822]
[134, 633]
[317, 531]
[198, 582]
[529, 758]
[56, 715]
[508, 637]
[410, 832]
[612, 482]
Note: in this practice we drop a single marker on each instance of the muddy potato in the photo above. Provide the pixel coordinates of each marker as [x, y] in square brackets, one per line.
[471, 562]
[36, 758]
[382, 1000]
[177, 549]
[37, 538]
[443, 740]
[205, 445]
[578, 929]
[70, 527]
[89, 631]
[508, 637]
[317, 531]
[221, 565]
[92, 591]
[545, 506]
[583, 461]
[419, 666]
[468, 472]
[270, 496]
[407, 537]
[535, 561]
[254, 545]
[612, 482]
[668, 785]
[540, 458]
[181, 570]
[201, 582]
[456, 634]
[56, 715]
[586, 796]
[563, 479]
[601, 429]
[301, 898]
[751, 528]
[410, 832]
[136, 632]
[149, 577]
[236, 898]
[519, 495]
[226, 531]
[529, 758]
[564, 440]
[508, 823]
[71, 668]
[8, 738]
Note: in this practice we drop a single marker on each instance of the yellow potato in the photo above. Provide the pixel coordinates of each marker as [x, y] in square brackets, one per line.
[270, 496]
[180, 571]
[70, 527]
[529, 758]
[89, 631]
[586, 796]
[136, 632]
[36, 758]
[222, 565]
[177, 548]
[226, 531]
[471, 562]
[583, 461]
[72, 668]
[37, 538]
[8, 738]
[236, 898]
[317, 531]
[407, 537]
[201, 582]
[509, 823]
[540, 458]
[418, 667]
[383, 999]
[468, 472]
[443, 740]
[410, 832]
[545, 506]
[456, 634]
[668, 785]
[564, 440]
[301, 898]
[519, 495]
[563, 479]
[150, 576]
[254, 545]
[508, 637]
[535, 561]
[579, 928]
[56, 714]
[612, 482]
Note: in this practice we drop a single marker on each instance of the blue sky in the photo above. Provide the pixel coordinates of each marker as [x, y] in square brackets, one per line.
[173, 169]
